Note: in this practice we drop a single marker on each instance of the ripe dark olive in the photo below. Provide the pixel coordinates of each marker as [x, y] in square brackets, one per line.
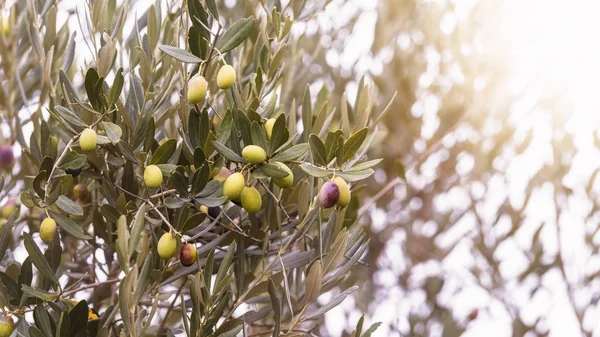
[213, 212]
[80, 191]
[74, 173]
[329, 194]
[188, 254]
[7, 156]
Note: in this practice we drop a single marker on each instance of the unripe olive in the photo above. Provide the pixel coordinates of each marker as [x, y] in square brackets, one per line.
[329, 194]
[188, 254]
[6, 326]
[223, 174]
[88, 140]
[9, 207]
[345, 195]
[167, 245]
[48, 230]
[204, 209]
[286, 181]
[197, 88]
[233, 186]
[251, 199]
[254, 154]
[80, 191]
[269, 127]
[153, 176]
[226, 77]
[7, 156]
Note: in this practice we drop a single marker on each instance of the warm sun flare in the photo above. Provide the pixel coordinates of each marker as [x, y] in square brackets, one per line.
[555, 44]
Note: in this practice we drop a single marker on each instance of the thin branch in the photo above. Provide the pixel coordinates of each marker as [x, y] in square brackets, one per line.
[274, 198]
[163, 193]
[164, 321]
[147, 201]
[56, 163]
[93, 285]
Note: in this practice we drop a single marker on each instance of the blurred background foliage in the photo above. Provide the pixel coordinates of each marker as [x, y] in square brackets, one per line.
[494, 230]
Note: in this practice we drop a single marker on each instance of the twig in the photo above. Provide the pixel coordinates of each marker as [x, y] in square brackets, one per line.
[274, 198]
[266, 332]
[212, 49]
[56, 163]
[162, 324]
[561, 267]
[147, 201]
[163, 193]
[93, 285]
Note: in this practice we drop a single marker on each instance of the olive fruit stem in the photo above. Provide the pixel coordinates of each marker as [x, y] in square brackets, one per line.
[57, 162]
[64, 153]
[274, 198]
[212, 49]
[151, 204]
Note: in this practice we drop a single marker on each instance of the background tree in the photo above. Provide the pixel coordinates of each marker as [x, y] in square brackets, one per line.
[497, 214]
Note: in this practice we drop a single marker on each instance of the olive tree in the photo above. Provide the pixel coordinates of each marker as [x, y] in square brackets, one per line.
[167, 177]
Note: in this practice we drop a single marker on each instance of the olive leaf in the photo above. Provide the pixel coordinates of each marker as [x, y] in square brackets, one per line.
[38, 259]
[180, 54]
[236, 34]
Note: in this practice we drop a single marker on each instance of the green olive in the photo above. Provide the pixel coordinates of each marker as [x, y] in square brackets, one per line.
[167, 245]
[269, 127]
[88, 140]
[233, 186]
[6, 326]
[251, 199]
[254, 154]
[197, 88]
[345, 194]
[287, 181]
[48, 230]
[226, 77]
[153, 176]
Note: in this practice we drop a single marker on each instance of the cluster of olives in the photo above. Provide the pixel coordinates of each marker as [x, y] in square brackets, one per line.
[236, 189]
[334, 192]
[167, 247]
[198, 87]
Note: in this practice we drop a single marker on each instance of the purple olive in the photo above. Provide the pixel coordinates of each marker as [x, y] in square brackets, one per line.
[329, 194]
[188, 254]
[213, 212]
[74, 173]
[7, 156]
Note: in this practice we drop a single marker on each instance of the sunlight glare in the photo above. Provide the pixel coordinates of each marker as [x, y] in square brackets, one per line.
[554, 46]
